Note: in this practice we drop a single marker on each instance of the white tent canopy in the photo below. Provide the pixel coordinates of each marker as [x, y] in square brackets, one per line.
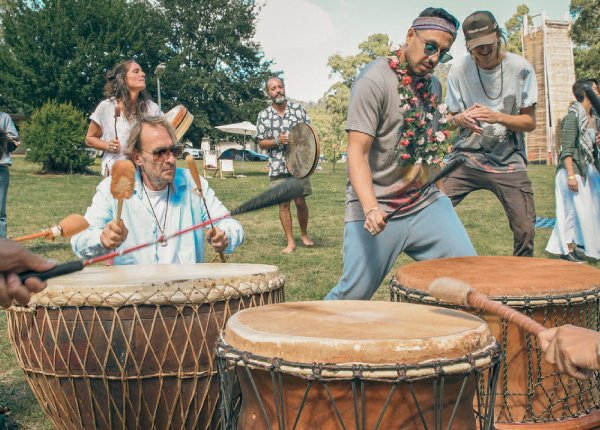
[245, 128]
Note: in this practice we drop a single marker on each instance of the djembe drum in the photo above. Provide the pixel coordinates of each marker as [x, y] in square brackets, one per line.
[355, 365]
[133, 346]
[553, 293]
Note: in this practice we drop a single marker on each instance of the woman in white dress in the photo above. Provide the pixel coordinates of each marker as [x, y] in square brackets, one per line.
[578, 182]
[126, 101]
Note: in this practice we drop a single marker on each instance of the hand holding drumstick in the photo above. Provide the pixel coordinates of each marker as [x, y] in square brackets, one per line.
[573, 350]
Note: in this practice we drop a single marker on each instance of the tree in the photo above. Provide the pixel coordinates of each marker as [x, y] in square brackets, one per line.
[513, 30]
[586, 34]
[216, 70]
[61, 49]
[53, 136]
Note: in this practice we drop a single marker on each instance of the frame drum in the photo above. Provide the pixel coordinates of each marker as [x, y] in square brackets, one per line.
[132, 347]
[355, 365]
[303, 150]
[531, 393]
[181, 120]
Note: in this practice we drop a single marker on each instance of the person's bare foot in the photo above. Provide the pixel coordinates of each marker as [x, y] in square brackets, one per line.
[307, 242]
[288, 249]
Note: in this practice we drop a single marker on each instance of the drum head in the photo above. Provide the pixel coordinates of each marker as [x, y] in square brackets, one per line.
[158, 284]
[347, 331]
[303, 150]
[181, 120]
[504, 276]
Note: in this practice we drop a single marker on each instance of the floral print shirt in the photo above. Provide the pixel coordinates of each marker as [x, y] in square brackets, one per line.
[270, 124]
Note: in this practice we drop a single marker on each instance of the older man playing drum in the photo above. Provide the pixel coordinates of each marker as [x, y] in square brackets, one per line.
[163, 201]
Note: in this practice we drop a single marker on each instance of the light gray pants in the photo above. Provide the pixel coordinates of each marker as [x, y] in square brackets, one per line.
[433, 232]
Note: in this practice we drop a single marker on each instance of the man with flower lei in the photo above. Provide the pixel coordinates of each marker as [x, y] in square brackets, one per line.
[395, 123]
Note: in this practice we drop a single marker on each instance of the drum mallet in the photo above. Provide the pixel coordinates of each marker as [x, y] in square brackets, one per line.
[449, 168]
[284, 192]
[67, 227]
[122, 183]
[460, 293]
[196, 176]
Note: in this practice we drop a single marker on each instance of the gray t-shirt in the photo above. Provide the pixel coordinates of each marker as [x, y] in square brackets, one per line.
[374, 109]
[497, 149]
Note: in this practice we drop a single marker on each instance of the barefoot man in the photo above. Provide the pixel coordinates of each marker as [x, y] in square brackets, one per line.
[273, 126]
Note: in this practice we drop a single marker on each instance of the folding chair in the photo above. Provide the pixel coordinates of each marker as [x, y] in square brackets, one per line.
[210, 164]
[227, 167]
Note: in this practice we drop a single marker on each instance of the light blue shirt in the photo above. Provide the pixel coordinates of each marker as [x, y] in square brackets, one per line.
[185, 209]
[8, 126]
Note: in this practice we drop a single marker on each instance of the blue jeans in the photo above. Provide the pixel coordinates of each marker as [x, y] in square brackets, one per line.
[4, 179]
[433, 232]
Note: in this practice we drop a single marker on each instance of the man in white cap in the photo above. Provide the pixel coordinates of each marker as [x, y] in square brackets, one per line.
[492, 95]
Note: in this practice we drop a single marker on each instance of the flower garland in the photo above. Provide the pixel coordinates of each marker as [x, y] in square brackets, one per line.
[418, 142]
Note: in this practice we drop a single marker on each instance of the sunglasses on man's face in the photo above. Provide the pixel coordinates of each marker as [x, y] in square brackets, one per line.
[161, 154]
[430, 49]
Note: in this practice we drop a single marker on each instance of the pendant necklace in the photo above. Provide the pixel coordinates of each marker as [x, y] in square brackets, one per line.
[162, 239]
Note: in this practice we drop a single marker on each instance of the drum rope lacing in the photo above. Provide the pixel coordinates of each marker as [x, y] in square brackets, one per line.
[229, 359]
[558, 309]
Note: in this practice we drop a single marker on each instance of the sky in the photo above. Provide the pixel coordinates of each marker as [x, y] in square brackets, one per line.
[299, 35]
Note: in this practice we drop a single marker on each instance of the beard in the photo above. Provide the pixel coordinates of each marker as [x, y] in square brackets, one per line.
[279, 99]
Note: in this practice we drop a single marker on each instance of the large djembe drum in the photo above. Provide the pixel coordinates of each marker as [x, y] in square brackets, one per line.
[355, 365]
[133, 346]
[531, 393]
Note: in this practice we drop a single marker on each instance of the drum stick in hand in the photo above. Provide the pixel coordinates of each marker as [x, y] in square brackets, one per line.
[284, 192]
[196, 176]
[449, 168]
[122, 183]
[462, 294]
[67, 227]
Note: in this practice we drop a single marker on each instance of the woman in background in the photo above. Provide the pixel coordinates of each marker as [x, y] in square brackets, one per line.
[126, 101]
[578, 182]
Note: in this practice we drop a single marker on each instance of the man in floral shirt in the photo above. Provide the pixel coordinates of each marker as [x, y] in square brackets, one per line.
[273, 126]
[381, 140]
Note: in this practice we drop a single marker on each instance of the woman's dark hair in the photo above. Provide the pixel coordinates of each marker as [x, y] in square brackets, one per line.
[579, 86]
[116, 87]
[441, 13]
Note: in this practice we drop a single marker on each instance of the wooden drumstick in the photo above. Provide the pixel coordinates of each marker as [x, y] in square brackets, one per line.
[67, 227]
[122, 183]
[196, 176]
[460, 293]
[117, 115]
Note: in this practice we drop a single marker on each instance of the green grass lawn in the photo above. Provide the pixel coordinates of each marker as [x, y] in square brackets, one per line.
[37, 201]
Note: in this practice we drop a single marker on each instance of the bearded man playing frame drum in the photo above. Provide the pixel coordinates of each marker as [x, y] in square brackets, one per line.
[273, 126]
[164, 201]
[428, 228]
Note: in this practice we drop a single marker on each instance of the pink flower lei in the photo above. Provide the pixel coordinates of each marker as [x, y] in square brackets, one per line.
[423, 135]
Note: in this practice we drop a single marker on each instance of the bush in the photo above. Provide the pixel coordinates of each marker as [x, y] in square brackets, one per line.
[55, 136]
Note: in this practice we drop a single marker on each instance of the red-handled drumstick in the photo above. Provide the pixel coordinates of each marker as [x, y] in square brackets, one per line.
[460, 293]
[122, 183]
[284, 192]
[196, 176]
[67, 227]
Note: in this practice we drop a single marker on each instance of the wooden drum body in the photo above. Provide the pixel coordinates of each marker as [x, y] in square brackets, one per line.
[133, 346]
[553, 293]
[355, 365]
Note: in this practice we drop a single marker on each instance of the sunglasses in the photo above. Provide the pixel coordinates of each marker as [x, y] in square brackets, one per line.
[430, 49]
[161, 154]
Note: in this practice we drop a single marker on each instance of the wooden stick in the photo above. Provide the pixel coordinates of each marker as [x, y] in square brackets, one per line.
[196, 176]
[462, 294]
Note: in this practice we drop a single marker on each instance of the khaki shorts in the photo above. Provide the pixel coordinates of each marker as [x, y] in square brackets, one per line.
[274, 180]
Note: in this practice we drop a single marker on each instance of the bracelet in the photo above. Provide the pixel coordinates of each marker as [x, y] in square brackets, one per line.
[571, 177]
[371, 210]
[452, 121]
